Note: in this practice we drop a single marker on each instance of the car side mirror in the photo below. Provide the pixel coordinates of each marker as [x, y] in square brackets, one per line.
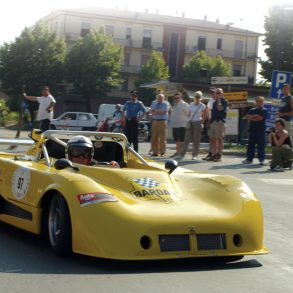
[171, 165]
[61, 164]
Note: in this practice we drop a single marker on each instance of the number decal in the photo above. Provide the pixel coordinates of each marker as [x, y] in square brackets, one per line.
[20, 182]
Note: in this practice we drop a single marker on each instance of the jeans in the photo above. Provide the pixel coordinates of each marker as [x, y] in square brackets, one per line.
[256, 139]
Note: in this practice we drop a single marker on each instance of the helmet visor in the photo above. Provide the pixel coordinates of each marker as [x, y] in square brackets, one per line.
[76, 152]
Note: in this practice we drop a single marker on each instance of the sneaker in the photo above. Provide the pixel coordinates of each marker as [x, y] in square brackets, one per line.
[211, 158]
[194, 158]
[217, 158]
[246, 162]
[154, 155]
[174, 155]
[163, 155]
[178, 158]
[278, 168]
[207, 156]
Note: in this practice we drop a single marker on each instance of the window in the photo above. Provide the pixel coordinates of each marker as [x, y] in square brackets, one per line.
[109, 30]
[219, 44]
[201, 44]
[128, 33]
[238, 49]
[237, 70]
[147, 39]
[83, 117]
[85, 28]
[126, 59]
[124, 86]
[144, 59]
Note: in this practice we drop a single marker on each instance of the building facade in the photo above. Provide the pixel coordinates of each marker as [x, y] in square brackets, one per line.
[179, 38]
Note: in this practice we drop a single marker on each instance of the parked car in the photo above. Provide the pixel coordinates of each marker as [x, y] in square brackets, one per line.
[75, 121]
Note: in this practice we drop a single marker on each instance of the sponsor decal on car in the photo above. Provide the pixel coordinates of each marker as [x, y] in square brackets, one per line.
[149, 189]
[91, 198]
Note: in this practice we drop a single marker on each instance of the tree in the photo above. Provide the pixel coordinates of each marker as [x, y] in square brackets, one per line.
[203, 67]
[154, 70]
[278, 41]
[93, 65]
[34, 59]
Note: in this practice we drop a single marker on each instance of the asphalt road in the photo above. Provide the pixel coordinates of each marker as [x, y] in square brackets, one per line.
[28, 265]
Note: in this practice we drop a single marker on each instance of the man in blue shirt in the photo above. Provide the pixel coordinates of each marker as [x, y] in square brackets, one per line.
[133, 111]
[256, 116]
[160, 110]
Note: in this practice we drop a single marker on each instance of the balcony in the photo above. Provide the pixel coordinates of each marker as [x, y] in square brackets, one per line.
[139, 44]
[130, 69]
[224, 53]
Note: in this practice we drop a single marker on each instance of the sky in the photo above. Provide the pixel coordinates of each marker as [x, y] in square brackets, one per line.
[247, 14]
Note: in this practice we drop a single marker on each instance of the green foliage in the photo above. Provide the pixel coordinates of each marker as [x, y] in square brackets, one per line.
[5, 115]
[33, 59]
[93, 64]
[278, 41]
[203, 67]
[154, 70]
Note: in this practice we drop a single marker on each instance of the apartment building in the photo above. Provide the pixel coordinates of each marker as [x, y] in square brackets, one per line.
[179, 38]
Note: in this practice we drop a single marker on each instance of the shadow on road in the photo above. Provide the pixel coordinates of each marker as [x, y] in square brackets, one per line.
[25, 253]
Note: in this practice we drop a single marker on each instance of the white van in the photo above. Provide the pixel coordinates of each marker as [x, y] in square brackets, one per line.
[106, 111]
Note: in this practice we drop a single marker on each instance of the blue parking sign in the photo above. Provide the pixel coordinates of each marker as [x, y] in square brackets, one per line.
[279, 78]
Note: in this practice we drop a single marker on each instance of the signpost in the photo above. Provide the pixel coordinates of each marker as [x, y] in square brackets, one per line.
[229, 80]
[279, 78]
[236, 96]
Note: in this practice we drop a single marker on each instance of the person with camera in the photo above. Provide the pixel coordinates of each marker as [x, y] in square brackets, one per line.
[256, 117]
[280, 140]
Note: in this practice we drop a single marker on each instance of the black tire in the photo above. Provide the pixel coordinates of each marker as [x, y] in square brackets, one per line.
[52, 126]
[59, 226]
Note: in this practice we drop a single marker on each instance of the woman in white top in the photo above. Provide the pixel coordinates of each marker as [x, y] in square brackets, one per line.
[197, 115]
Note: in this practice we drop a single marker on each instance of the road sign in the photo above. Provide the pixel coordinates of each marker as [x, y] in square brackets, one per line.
[229, 80]
[233, 96]
[278, 80]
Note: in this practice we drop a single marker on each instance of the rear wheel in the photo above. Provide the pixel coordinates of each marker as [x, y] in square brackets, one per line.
[59, 226]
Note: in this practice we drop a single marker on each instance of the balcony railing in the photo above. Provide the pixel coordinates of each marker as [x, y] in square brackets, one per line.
[130, 69]
[224, 53]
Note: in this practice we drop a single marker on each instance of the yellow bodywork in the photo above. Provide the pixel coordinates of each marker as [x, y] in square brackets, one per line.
[149, 211]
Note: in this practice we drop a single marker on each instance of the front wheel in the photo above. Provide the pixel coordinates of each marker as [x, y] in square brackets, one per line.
[59, 226]
[142, 135]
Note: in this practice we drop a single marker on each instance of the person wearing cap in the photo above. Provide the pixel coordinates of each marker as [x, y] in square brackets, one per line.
[80, 150]
[118, 119]
[197, 115]
[133, 111]
[46, 105]
[286, 108]
[217, 126]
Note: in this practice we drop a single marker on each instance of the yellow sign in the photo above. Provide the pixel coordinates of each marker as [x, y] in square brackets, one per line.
[236, 96]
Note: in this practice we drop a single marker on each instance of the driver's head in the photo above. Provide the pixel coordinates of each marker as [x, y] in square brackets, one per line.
[80, 150]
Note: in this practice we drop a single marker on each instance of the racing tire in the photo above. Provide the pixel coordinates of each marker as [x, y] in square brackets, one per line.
[59, 226]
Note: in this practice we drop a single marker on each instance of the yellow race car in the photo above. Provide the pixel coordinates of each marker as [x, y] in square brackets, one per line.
[142, 210]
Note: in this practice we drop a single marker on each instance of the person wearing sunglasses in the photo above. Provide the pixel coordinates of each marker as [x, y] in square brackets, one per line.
[80, 150]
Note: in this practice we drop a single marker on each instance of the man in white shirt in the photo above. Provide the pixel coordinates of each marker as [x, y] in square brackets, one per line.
[179, 118]
[46, 106]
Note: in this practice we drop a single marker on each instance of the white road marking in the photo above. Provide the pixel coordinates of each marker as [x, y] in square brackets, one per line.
[278, 181]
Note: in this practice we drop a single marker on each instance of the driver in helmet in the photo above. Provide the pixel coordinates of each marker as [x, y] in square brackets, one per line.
[80, 150]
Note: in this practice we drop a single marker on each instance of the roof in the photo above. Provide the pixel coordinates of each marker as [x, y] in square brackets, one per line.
[153, 18]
